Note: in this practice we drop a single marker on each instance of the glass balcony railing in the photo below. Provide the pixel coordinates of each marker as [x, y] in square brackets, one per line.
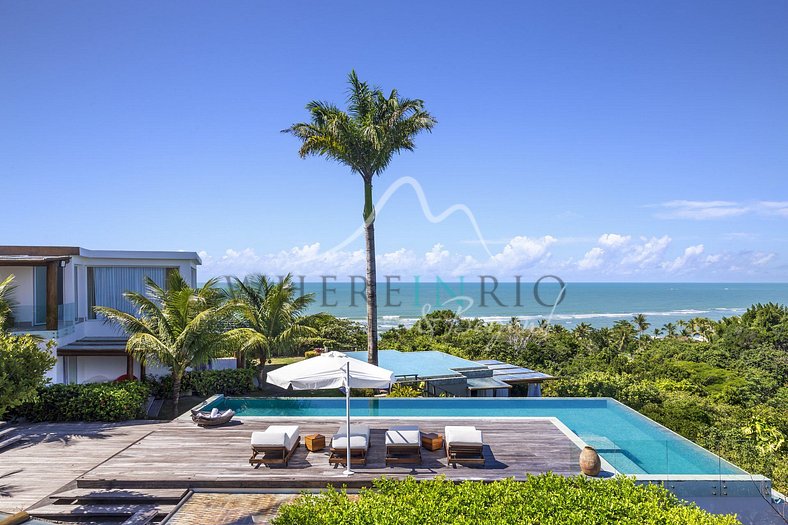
[33, 318]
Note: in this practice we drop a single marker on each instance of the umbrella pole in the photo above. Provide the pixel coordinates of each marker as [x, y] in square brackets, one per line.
[347, 472]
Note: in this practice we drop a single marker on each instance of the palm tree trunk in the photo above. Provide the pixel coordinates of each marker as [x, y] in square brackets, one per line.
[176, 390]
[261, 373]
[372, 296]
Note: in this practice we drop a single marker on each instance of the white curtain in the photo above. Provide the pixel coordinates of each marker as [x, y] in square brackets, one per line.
[109, 284]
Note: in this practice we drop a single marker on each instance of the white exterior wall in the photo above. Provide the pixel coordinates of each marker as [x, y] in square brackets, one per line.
[75, 291]
[24, 294]
[110, 367]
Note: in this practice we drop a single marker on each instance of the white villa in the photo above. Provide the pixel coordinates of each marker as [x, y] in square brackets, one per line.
[57, 288]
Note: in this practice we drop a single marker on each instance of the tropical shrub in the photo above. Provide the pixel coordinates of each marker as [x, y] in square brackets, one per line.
[206, 382]
[403, 390]
[725, 387]
[23, 365]
[88, 402]
[547, 498]
[311, 353]
[232, 381]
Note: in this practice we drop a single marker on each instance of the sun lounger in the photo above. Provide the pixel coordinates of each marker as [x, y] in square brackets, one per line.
[403, 445]
[213, 418]
[358, 441]
[275, 446]
[464, 445]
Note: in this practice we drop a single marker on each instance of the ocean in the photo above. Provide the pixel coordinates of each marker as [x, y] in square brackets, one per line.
[599, 304]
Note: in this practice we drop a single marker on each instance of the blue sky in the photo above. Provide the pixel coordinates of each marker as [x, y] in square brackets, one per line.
[601, 141]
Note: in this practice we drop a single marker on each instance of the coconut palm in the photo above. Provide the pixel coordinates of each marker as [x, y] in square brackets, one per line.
[177, 326]
[365, 138]
[641, 323]
[269, 316]
[670, 330]
[7, 303]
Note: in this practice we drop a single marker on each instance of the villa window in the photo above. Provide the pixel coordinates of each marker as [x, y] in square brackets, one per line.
[106, 285]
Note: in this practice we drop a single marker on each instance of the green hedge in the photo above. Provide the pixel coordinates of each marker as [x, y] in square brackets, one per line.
[88, 402]
[543, 499]
[206, 382]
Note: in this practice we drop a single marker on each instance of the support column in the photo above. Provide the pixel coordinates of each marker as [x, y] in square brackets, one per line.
[52, 295]
[129, 367]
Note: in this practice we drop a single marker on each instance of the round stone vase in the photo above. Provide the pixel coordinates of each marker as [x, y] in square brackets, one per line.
[590, 463]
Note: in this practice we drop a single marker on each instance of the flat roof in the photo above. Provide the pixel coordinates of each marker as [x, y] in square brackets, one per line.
[513, 373]
[64, 251]
[426, 364]
[485, 383]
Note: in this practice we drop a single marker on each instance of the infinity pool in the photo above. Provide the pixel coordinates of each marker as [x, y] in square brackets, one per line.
[629, 441]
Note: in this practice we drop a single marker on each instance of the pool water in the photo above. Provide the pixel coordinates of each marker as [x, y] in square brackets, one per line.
[629, 441]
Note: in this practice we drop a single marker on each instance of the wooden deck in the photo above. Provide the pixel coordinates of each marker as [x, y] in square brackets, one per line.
[180, 455]
[50, 455]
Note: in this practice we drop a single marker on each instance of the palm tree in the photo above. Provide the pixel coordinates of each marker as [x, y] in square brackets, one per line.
[365, 138]
[178, 326]
[642, 324]
[270, 317]
[6, 302]
[670, 329]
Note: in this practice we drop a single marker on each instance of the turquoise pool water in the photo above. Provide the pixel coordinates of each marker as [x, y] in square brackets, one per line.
[629, 441]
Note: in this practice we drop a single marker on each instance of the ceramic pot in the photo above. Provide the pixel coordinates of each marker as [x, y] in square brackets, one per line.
[590, 463]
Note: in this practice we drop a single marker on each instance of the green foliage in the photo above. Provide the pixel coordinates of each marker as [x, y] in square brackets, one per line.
[547, 498]
[206, 382]
[7, 304]
[406, 390]
[230, 382]
[177, 326]
[23, 365]
[335, 333]
[268, 318]
[722, 384]
[311, 353]
[89, 402]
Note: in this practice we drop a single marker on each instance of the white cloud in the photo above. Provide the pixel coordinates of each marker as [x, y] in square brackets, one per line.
[646, 254]
[592, 259]
[691, 253]
[614, 256]
[701, 210]
[779, 208]
[613, 240]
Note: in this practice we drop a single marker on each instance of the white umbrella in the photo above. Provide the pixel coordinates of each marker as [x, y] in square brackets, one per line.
[332, 370]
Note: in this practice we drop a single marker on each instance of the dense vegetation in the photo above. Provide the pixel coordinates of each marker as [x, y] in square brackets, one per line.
[89, 402]
[547, 498]
[206, 382]
[23, 365]
[721, 384]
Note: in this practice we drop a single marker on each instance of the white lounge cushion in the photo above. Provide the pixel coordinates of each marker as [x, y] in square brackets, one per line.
[457, 435]
[276, 436]
[355, 430]
[403, 435]
[214, 412]
[356, 442]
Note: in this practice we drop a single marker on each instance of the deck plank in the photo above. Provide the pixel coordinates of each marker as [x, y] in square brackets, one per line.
[54, 454]
[180, 455]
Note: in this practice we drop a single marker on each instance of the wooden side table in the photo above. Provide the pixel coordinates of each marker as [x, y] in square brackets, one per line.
[431, 441]
[315, 442]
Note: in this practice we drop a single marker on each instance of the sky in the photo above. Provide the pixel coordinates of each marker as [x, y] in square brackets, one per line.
[598, 141]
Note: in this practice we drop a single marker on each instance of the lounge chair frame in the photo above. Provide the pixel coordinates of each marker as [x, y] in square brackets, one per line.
[464, 453]
[403, 454]
[338, 456]
[272, 455]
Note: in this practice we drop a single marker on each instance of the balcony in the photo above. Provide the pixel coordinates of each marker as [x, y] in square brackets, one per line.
[28, 318]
